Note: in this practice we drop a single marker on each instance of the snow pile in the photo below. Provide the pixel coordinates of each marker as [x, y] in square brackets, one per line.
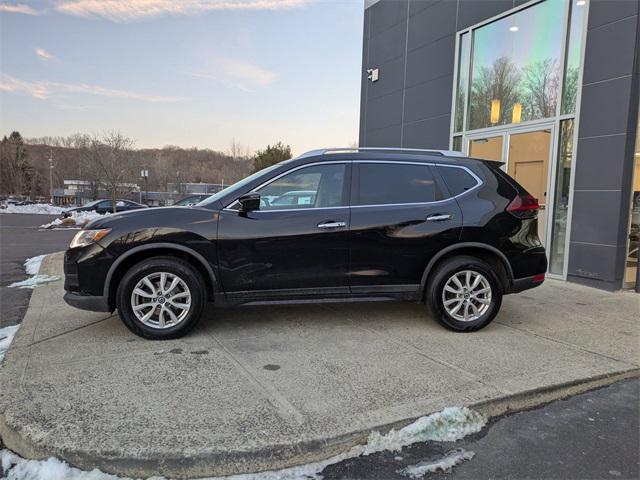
[16, 468]
[450, 424]
[6, 337]
[39, 208]
[446, 463]
[76, 220]
[32, 267]
[33, 282]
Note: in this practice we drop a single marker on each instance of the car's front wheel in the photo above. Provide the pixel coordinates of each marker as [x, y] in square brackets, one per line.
[161, 298]
[464, 294]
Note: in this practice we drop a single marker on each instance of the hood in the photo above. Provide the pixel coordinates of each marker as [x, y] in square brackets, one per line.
[146, 217]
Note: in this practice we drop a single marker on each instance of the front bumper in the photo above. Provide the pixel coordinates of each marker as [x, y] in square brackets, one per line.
[87, 302]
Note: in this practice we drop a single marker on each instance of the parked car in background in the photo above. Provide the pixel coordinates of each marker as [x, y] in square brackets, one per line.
[105, 206]
[293, 199]
[191, 200]
[435, 227]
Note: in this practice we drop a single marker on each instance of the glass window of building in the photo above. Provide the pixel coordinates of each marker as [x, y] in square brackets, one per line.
[463, 80]
[574, 51]
[561, 199]
[516, 67]
[633, 257]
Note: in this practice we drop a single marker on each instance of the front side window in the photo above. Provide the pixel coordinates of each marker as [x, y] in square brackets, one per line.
[396, 183]
[316, 186]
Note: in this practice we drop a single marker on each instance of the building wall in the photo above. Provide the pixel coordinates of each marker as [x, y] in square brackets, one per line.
[412, 43]
[606, 143]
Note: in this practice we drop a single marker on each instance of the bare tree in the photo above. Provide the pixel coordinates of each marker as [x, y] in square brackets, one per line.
[111, 158]
[540, 85]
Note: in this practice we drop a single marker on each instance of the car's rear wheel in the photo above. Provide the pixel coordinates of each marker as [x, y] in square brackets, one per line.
[464, 294]
[161, 298]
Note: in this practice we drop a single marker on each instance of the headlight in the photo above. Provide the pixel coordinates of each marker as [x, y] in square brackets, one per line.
[87, 237]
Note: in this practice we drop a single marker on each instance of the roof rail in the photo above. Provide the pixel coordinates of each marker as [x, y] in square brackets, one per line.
[325, 151]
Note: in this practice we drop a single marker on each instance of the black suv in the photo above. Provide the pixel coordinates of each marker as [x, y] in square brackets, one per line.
[422, 225]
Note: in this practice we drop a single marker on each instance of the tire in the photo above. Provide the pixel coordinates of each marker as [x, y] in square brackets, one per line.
[487, 304]
[171, 317]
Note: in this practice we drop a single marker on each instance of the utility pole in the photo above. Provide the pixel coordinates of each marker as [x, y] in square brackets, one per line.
[51, 176]
[144, 173]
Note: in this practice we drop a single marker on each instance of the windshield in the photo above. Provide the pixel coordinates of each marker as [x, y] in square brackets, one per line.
[91, 204]
[238, 185]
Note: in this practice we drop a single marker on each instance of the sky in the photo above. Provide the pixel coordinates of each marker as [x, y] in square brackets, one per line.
[191, 73]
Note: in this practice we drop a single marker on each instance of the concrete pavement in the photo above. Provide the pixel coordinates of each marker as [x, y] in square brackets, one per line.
[265, 387]
[20, 238]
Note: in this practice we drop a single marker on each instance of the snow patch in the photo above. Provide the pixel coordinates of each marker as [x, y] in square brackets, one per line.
[6, 337]
[450, 424]
[32, 265]
[77, 219]
[16, 468]
[37, 208]
[33, 282]
[444, 464]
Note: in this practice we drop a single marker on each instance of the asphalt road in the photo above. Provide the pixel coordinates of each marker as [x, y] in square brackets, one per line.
[20, 239]
[595, 435]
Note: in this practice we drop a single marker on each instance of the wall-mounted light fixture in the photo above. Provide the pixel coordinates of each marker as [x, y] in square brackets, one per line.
[373, 74]
[516, 113]
[495, 110]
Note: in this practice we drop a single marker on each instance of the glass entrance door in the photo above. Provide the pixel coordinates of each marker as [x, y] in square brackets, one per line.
[527, 154]
[528, 162]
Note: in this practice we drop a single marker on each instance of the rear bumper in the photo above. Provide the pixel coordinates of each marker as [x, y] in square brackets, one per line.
[87, 302]
[520, 284]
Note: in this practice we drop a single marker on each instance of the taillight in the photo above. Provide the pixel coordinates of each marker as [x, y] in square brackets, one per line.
[523, 206]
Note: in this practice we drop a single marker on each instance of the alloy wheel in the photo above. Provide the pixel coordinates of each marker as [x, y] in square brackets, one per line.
[161, 300]
[466, 295]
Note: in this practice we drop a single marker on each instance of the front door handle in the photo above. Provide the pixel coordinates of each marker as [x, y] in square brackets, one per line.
[439, 217]
[332, 224]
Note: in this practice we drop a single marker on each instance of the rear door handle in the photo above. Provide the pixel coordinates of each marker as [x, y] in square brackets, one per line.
[332, 225]
[439, 217]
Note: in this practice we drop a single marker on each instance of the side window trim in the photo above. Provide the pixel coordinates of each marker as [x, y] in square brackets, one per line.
[346, 185]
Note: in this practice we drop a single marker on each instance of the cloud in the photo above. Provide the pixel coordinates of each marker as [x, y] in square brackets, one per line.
[44, 55]
[238, 73]
[133, 10]
[17, 8]
[45, 89]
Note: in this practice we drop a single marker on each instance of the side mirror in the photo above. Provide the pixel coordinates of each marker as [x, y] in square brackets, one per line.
[249, 202]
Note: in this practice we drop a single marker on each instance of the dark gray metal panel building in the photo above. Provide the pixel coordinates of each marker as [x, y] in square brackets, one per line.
[412, 43]
[606, 140]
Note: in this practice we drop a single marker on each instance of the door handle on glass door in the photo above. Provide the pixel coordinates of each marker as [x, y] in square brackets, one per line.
[332, 224]
[439, 217]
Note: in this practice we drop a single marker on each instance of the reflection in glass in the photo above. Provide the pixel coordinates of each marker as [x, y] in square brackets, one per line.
[516, 60]
[463, 80]
[631, 270]
[486, 148]
[574, 50]
[561, 199]
[457, 143]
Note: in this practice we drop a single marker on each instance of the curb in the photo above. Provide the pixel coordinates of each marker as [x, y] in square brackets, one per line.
[222, 463]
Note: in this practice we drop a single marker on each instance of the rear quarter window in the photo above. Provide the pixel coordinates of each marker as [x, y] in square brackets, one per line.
[458, 180]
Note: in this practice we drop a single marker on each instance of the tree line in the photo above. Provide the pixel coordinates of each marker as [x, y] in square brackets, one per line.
[109, 162]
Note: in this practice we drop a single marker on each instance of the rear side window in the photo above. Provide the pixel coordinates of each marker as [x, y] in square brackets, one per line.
[394, 183]
[458, 180]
